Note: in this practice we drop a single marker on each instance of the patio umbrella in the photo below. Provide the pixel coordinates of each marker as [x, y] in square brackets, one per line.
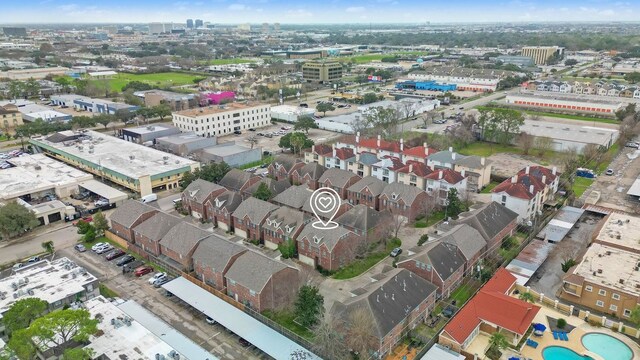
[514, 358]
[539, 327]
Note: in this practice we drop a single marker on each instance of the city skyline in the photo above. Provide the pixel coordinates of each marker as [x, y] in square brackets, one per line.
[335, 11]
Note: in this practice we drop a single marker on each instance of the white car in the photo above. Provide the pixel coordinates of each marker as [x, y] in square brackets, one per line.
[104, 249]
[98, 245]
[157, 276]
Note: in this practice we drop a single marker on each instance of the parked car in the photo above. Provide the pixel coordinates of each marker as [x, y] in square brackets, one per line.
[115, 254]
[448, 312]
[125, 260]
[98, 245]
[101, 202]
[209, 320]
[395, 252]
[244, 342]
[609, 172]
[104, 249]
[252, 129]
[34, 259]
[80, 248]
[143, 270]
[632, 144]
[17, 266]
[161, 281]
[157, 276]
[87, 219]
[238, 132]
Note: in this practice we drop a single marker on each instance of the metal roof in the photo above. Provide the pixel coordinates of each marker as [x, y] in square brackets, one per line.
[561, 224]
[634, 190]
[112, 194]
[164, 331]
[260, 335]
[529, 260]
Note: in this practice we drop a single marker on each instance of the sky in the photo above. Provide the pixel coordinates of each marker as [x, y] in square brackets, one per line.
[314, 11]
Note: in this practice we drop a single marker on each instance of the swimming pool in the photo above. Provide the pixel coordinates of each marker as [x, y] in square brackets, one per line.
[562, 353]
[607, 346]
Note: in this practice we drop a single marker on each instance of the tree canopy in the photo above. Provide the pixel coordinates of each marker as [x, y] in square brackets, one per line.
[22, 313]
[263, 192]
[500, 125]
[324, 107]
[309, 305]
[305, 123]
[213, 172]
[15, 220]
[295, 141]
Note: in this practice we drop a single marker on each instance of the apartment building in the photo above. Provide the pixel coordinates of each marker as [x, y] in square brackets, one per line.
[223, 119]
[541, 54]
[322, 71]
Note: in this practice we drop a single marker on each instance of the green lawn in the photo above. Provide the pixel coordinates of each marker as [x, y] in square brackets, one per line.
[360, 266]
[573, 117]
[106, 292]
[486, 149]
[161, 80]
[266, 160]
[462, 294]
[285, 318]
[487, 189]
[580, 185]
[360, 59]
[228, 61]
[600, 169]
[431, 220]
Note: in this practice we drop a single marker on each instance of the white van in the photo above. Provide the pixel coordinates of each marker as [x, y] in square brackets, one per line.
[149, 198]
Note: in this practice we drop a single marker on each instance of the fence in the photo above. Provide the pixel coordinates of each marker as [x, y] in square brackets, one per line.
[116, 239]
[568, 310]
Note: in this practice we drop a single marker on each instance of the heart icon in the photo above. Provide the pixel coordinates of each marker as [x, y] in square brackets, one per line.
[325, 203]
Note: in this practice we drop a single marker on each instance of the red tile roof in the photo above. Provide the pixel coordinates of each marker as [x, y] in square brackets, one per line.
[372, 143]
[417, 168]
[322, 149]
[344, 153]
[522, 188]
[396, 163]
[419, 151]
[538, 172]
[448, 175]
[491, 304]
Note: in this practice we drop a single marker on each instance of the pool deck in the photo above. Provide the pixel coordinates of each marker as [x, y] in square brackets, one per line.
[575, 337]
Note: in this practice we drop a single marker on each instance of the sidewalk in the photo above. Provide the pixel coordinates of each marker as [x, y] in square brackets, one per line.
[37, 232]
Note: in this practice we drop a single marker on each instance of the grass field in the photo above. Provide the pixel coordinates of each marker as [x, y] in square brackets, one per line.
[434, 218]
[486, 149]
[360, 266]
[487, 189]
[285, 318]
[580, 185]
[106, 292]
[573, 117]
[228, 61]
[160, 80]
[360, 59]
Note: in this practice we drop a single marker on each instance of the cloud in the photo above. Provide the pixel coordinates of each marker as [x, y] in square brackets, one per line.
[300, 13]
[238, 7]
[68, 7]
[607, 12]
[355, 9]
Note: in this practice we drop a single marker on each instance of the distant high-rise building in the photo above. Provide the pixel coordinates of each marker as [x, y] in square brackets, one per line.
[189, 23]
[541, 54]
[199, 23]
[276, 27]
[160, 28]
[244, 27]
[15, 31]
[265, 27]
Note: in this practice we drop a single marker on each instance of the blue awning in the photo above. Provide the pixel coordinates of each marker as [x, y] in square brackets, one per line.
[539, 327]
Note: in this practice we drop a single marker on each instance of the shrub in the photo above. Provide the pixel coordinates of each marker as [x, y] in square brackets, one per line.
[423, 239]
[288, 249]
[561, 323]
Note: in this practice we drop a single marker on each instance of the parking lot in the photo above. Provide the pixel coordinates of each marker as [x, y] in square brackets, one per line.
[212, 337]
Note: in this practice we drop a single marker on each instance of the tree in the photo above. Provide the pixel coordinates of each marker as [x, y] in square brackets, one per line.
[328, 342]
[570, 62]
[16, 219]
[104, 119]
[48, 246]
[324, 107]
[161, 111]
[359, 336]
[383, 120]
[21, 345]
[90, 235]
[213, 172]
[308, 305]
[145, 113]
[561, 323]
[570, 162]
[543, 144]
[32, 87]
[369, 98]
[15, 89]
[305, 123]
[59, 327]
[525, 141]
[500, 125]
[22, 313]
[454, 204]
[635, 315]
[263, 192]
[629, 110]
[78, 354]
[100, 223]
[498, 341]
[590, 152]
[633, 77]
[528, 297]
[398, 221]
[629, 128]
[299, 141]
[287, 248]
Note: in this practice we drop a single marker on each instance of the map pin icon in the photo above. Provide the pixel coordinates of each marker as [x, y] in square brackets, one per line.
[324, 203]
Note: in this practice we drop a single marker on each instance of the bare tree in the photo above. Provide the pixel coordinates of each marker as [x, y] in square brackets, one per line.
[590, 152]
[360, 125]
[543, 144]
[525, 141]
[534, 117]
[308, 276]
[629, 128]
[570, 161]
[398, 221]
[328, 341]
[428, 117]
[463, 135]
[253, 140]
[360, 337]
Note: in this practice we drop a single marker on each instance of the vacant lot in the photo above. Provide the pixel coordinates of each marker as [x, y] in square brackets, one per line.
[160, 80]
[228, 61]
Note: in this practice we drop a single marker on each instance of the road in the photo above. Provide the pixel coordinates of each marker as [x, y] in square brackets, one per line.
[63, 236]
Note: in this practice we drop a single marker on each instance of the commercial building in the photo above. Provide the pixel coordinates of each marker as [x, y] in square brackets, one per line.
[223, 119]
[231, 153]
[607, 278]
[33, 177]
[541, 54]
[425, 85]
[10, 118]
[290, 113]
[59, 282]
[466, 79]
[14, 31]
[37, 73]
[521, 61]
[32, 112]
[99, 106]
[566, 136]
[565, 102]
[147, 134]
[136, 167]
[322, 71]
[184, 144]
[176, 101]
[160, 28]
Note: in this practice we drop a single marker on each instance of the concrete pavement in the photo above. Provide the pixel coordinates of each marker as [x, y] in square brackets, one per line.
[63, 236]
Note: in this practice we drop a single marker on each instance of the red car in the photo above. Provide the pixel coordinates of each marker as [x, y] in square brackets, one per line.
[143, 270]
[114, 254]
[84, 219]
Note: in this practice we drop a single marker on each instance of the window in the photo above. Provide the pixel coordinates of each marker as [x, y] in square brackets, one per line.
[626, 313]
[602, 292]
[613, 308]
[615, 296]
[588, 288]
[600, 303]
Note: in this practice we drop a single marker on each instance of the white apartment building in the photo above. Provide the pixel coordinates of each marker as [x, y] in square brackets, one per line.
[463, 82]
[223, 119]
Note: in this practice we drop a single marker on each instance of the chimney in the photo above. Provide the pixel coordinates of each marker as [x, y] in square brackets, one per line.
[333, 147]
[462, 173]
[440, 174]
[401, 144]
[544, 179]
[514, 179]
[358, 137]
[531, 189]
[526, 170]
[313, 148]
[553, 171]
[410, 168]
[482, 160]
[426, 149]
[378, 143]
[357, 157]
[453, 156]
[450, 149]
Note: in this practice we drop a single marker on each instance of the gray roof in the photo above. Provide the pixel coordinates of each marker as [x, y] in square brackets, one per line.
[397, 191]
[253, 270]
[229, 200]
[256, 209]
[337, 177]
[374, 184]
[362, 217]
[235, 179]
[285, 218]
[329, 237]
[368, 158]
[200, 189]
[489, 220]
[288, 161]
[387, 300]
[472, 162]
[216, 252]
[157, 226]
[130, 210]
[445, 156]
[276, 187]
[444, 258]
[314, 170]
[183, 238]
[467, 239]
[295, 197]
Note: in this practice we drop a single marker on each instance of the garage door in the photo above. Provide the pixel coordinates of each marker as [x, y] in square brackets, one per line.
[223, 226]
[54, 217]
[270, 245]
[307, 260]
[241, 233]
